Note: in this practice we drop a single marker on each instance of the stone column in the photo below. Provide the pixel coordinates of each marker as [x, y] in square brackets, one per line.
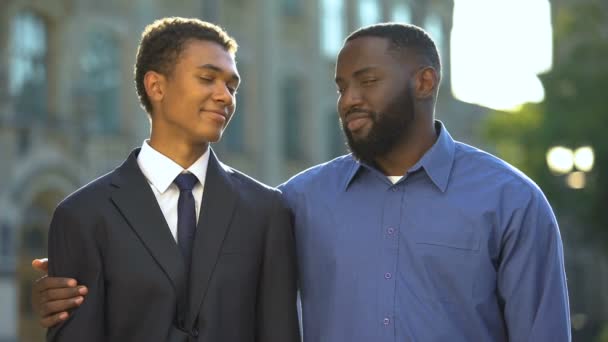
[269, 147]
[386, 7]
[317, 149]
[352, 15]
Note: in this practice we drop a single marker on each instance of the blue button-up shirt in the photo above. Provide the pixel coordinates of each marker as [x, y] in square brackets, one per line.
[463, 248]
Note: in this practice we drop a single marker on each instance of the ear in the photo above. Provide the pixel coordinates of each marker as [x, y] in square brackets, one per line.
[427, 81]
[154, 83]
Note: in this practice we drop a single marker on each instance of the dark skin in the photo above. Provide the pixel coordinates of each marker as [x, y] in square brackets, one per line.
[191, 108]
[369, 77]
[53, 297]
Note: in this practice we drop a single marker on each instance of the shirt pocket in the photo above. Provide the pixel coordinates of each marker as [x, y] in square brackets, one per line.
[452, 238]
[447, 259]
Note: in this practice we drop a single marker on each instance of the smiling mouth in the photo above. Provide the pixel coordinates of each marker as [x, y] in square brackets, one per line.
[219, 112]
[356, 124]
[356, 120]
[215, 115]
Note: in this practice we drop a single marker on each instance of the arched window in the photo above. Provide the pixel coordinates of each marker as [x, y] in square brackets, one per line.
[98, 93]
[32, 242]
[27, 80]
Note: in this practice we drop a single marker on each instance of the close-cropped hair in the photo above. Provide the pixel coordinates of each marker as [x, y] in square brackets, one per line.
[164, 40]
[403, 36]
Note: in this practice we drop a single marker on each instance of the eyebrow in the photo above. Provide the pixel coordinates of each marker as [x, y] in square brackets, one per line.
[359, 72]
[216, 68]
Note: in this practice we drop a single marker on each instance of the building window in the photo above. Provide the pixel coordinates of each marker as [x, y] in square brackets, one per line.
[234, 136]
[6, 241]
[434, 26]
[369, 12]
[291, 7]
[336, 139]
[27, 80]
[97, 95]
[401, 12]
[332, 27]
[292, 125]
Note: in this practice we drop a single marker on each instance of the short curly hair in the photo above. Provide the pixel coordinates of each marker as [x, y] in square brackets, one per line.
[403, 36]
[164, 40]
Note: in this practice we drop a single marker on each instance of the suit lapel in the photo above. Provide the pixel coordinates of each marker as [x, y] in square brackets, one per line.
[136, 201]
[217, 208]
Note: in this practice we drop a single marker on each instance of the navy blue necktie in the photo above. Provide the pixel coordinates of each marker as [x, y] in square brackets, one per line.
[186, 215]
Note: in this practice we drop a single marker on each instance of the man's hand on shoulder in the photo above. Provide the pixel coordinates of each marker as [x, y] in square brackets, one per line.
[52, 297]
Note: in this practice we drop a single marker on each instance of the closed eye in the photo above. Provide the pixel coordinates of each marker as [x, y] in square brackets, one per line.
[369, 81]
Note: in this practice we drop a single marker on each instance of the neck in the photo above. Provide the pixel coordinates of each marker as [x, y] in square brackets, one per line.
[409, 150]
[181, 152]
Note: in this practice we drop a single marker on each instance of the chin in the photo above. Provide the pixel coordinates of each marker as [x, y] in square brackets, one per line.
[207, 136]
[360, 136]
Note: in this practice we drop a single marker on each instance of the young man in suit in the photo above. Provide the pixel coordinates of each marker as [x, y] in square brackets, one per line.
[173, 245]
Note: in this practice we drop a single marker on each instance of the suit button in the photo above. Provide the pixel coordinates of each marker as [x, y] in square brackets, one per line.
[195, 332]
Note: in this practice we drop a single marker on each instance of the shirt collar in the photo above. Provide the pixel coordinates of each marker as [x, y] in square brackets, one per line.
[437, 161]
[161, 171]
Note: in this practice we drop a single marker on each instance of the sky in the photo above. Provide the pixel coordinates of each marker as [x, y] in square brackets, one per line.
[498, 50]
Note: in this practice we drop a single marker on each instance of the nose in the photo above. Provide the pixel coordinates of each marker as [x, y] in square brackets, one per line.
[348, 99]
[222, 94]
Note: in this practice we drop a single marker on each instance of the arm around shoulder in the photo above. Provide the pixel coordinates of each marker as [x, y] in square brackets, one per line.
[276, 309]
[74, 252]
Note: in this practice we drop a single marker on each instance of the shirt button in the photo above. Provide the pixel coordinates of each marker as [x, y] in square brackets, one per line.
[386, 321]
[390, 231]
[387, 275]
[394, 189]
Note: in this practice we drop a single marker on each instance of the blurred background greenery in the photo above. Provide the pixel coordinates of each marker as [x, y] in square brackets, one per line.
[524, 79]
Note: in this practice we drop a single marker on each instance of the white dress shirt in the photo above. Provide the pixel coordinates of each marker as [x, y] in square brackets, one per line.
[160, 171]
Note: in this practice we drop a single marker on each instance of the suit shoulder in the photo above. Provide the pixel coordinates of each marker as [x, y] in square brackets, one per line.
[91, 191]
[247, 183]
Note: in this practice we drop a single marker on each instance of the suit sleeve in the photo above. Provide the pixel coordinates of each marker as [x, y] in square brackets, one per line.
[531, 276]
[277, 318]
[74, 253]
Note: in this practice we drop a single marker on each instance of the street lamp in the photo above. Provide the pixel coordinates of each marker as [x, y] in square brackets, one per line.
[563, 160]
[560, 159]
[584, 158]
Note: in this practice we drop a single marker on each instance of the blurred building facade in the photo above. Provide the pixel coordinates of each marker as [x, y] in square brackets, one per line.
[69, 113]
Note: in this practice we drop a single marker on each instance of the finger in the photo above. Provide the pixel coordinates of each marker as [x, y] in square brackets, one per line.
[46, 283]
[50, 321]
[58, 306]
[62, 293]
[41, 264]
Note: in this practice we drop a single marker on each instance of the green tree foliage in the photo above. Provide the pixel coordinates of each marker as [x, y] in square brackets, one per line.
[574, 114]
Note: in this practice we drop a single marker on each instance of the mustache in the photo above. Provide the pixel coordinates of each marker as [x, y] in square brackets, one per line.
[359, 110]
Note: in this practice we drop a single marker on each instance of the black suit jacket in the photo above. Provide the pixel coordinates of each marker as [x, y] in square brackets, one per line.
[111, 236]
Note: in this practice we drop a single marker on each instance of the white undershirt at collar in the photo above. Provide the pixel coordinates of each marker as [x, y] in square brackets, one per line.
[160, 172]
[394, 179]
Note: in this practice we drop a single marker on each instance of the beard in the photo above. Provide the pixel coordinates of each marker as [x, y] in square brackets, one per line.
[388, 129]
